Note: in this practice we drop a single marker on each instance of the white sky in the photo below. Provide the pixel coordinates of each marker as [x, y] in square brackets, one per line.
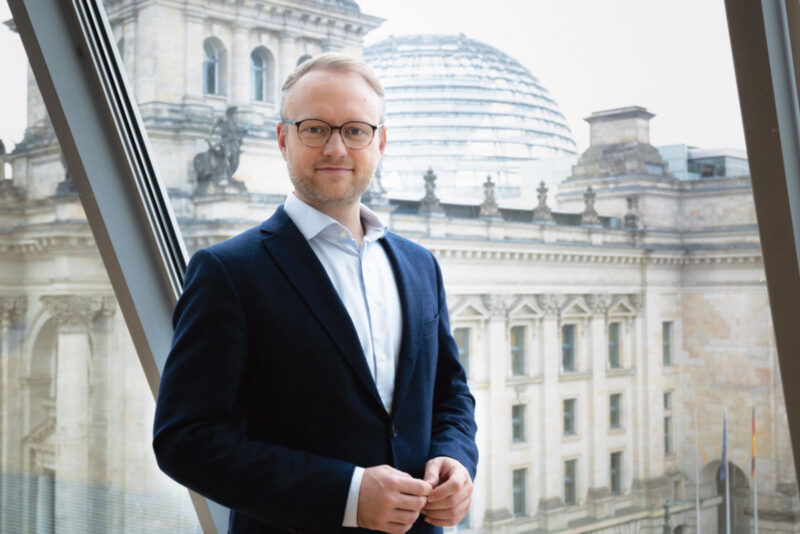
[671, 56]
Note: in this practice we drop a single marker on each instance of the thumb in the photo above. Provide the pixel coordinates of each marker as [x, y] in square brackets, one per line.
[432, 473]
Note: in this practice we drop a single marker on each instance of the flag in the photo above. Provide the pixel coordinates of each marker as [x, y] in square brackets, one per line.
[753, 456]
[723, 469]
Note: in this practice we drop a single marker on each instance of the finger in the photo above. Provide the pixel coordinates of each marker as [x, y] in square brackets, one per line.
[405, 517]
[448, 502]
[410, 502]
[450, 487]
[432, 470]
[413, 486]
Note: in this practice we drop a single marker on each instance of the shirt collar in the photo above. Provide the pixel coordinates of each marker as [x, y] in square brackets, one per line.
[311, 222]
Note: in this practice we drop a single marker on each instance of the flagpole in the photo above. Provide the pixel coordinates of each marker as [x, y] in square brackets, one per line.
[727, 474]
[754, 475]
[696, 472]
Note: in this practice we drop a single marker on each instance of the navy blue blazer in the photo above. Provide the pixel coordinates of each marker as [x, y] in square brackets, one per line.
[266, 403]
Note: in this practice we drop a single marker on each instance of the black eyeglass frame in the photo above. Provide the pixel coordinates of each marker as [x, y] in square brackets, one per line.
[332, 128]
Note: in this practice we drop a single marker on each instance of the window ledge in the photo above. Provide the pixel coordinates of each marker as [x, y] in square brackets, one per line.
[574, 375]
[621, 371]
[518, 380]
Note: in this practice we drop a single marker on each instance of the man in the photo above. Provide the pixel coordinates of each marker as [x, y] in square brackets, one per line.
[313, 383]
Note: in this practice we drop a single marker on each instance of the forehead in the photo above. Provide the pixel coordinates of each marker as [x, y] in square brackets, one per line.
[334, 96]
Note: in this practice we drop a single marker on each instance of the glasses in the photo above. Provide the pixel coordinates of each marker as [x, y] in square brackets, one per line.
[314, 133]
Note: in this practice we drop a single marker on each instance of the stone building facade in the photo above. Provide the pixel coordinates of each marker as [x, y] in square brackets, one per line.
[602, 328]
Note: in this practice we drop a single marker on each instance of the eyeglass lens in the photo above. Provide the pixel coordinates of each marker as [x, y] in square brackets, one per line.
[315, 133]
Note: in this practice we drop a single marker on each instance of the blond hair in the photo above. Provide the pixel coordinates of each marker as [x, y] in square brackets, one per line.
[338, 62]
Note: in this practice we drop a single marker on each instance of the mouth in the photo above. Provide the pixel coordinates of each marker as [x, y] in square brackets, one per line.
[334, 170]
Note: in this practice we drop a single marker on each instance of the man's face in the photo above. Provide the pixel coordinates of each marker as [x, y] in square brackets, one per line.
[332, 175]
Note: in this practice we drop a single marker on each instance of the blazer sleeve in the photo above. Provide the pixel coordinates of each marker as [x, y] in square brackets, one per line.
[199, 435]
[453, 425]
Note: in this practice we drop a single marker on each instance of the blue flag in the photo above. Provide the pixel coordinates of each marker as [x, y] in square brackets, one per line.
[723, 469]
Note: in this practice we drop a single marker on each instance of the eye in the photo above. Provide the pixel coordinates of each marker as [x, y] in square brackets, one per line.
[355, 131]
[312, 130]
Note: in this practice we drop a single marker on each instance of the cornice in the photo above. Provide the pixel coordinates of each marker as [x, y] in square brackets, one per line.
[78, 312]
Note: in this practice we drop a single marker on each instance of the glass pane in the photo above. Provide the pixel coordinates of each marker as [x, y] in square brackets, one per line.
[667, 248]
[76, 414]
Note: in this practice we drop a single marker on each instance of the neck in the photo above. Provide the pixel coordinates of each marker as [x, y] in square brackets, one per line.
[348, 215]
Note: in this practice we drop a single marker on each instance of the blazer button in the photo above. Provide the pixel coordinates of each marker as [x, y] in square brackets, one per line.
[394, 431]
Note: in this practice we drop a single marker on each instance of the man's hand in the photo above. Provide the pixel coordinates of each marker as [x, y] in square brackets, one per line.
[449, 501]
[390, 500]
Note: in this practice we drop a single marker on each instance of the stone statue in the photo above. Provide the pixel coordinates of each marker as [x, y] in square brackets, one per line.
[215, 166]
[589, 217]
[542, 212]
[489, 207]
[429, 204]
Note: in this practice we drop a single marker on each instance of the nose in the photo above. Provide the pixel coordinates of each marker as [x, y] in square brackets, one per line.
[335, 146]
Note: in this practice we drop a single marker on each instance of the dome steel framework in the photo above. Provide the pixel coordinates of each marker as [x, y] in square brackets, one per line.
[467, 110]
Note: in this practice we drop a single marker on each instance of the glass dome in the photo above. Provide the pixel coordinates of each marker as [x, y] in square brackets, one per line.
[465, 109]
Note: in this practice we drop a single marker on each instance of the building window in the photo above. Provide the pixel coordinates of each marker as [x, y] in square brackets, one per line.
[666, 342]
[261, 75]
[518, 351]
[518, 492]
[303, 59]
[568, 347]
[616, 473]
[518, 423]
[462, 341]
[614, 415]
[569, 417]
[668, 434]
[668, 400]
[569, 482]
[613, 345]
[213, 65]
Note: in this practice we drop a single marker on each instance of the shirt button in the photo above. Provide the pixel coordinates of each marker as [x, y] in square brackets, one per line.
[394, 431]
[343, 235]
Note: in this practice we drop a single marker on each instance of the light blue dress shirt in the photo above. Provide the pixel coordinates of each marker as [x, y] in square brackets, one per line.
[364, 280]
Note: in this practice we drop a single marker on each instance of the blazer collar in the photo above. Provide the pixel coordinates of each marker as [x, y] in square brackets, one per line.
[291, 252]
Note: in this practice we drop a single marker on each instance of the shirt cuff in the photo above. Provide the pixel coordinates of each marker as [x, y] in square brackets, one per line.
[351, 508]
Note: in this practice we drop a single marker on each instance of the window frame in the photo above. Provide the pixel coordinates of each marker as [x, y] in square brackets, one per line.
[518, 423]
[463, 353]
[571, 347]
[519, 506]
[614, 360]
[91, 114]
[612, 424]
[573, 402]
[517, 352]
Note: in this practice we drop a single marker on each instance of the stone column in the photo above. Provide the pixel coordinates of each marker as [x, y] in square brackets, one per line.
[499, 482]
[551, 465]
[12, 312]
[640, 398]
[193, 76]
[288, 55]
[74, 316]
[240, 68]
[599, 495]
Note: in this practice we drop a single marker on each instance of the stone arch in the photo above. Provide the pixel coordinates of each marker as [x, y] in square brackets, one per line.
[711, 487]
[262, 75]
[215, 67]
[39, 380]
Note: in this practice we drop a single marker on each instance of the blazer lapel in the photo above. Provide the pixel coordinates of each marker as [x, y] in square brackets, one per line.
[293, 255]
[411, 304]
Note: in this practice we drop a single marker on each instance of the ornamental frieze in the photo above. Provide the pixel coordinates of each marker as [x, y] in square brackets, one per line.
[12, 309]
[78, 311]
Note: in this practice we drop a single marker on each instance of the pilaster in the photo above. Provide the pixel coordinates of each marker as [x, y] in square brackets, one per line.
[288, 55]
[240, 65]
[599, 496]
[12, 312]
[496, 340]
[74, 316]
[549, 429]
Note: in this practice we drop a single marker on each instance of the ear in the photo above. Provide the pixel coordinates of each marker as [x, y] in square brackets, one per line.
[281, 132]
[382, 139]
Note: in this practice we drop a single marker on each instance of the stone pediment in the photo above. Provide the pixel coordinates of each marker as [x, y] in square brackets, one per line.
[575, 307]
[526, 308]
[470, 309]
[622, 307]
